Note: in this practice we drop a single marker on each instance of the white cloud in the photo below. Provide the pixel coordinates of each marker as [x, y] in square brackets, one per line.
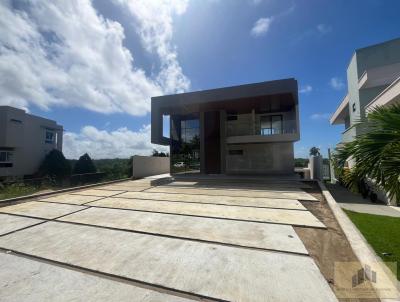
[155, 28]
[336, 83]
[324, 28]
[320, 116]
[120, 143]
[261, 27]
[306, 89]
[63, 53]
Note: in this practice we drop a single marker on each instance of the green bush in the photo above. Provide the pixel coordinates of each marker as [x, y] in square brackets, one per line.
[55, 166]
[84, 165]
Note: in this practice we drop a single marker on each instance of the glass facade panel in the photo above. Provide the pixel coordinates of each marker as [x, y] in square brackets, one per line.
[271, 124]
[185, 144]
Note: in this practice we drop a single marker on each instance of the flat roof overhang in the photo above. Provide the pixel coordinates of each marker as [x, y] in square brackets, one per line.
[264, 96]
[341, 112]
[379, 76]
[387, 97]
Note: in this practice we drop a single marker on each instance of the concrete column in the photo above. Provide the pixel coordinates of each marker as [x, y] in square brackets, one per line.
[202, 152]
[315, 166]
[253, 121]
[60, 139]
[222, 119]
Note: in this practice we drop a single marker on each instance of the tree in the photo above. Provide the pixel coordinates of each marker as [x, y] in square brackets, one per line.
[55, 165]
[159, 154]
[314, 151]
[376, 152]
[84, 165]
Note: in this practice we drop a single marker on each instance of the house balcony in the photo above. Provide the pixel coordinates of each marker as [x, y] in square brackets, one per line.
[349, 134]
[271, 128]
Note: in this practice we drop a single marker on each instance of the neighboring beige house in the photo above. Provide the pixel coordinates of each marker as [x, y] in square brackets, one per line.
[25, 140]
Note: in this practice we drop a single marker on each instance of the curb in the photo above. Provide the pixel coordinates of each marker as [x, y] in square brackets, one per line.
[360, 246]
[61, 191]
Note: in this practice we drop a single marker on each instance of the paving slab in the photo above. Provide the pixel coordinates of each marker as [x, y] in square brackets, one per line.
[245, 193]
[71, 198]
[125, 188]
[256, 186]
[230, 183]
[281, 216]
[237, 188]
[248, 234]
[96, 192]
[41, 209]
[10, 223]
[28, 280]
[210, 270]
[224, 200]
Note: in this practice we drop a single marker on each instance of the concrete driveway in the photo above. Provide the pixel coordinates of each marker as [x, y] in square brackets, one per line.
[219, 240]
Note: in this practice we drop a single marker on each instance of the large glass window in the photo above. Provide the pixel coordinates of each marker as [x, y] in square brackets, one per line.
[185, 144]
[271, 124]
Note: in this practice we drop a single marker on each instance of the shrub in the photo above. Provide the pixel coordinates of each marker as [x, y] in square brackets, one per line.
[84, 165]
[55, 165]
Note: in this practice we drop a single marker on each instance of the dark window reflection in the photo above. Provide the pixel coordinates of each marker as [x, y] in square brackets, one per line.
[185, 144]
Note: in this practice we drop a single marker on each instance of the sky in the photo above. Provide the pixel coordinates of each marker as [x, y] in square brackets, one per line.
[94, 65]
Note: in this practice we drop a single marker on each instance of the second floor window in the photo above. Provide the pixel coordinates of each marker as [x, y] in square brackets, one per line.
[49, 137]
[271, 124]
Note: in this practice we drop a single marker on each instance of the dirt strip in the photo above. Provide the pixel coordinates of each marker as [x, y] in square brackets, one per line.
[327, 246]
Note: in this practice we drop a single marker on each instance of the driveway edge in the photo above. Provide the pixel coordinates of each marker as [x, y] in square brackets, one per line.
[360, 246]
[62, 191]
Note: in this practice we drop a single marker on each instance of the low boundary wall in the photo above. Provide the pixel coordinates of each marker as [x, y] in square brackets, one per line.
[143, 166]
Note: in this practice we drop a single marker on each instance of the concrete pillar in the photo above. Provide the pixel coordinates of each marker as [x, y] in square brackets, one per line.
[331, 168]
[202, 150]
[315, 166]
[59, 134]
[222, 119]
[253, 122]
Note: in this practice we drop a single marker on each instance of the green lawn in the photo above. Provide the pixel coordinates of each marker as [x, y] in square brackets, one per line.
[382, 233]
[16, 191]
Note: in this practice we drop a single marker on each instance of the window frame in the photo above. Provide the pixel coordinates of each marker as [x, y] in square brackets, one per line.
[52, 139]
[8, 162]
[270, 121]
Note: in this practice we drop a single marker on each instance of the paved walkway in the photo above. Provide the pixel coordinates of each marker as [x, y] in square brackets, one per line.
[141, 241]
[354, 202]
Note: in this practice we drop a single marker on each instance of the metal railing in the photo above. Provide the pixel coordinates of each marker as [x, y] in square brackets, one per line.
[235, 128]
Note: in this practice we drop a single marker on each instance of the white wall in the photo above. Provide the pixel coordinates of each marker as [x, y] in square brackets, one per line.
[149, 165]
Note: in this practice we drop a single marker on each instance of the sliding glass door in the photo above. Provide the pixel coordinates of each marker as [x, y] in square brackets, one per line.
[271, 124]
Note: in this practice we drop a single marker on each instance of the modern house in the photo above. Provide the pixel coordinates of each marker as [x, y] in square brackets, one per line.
[373, 79]
[25, 139]
[246, 129]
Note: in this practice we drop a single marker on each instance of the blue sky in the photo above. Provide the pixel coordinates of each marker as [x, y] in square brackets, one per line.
[93, 65]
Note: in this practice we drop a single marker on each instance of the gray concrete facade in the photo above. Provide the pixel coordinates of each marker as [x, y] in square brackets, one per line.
[246, 129]
[25, 140]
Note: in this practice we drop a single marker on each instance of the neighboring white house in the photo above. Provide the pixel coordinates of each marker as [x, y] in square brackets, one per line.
[373, 79]
[25, 140]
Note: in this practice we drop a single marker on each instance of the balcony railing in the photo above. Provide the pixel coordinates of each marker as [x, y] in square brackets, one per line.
[236, 128]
